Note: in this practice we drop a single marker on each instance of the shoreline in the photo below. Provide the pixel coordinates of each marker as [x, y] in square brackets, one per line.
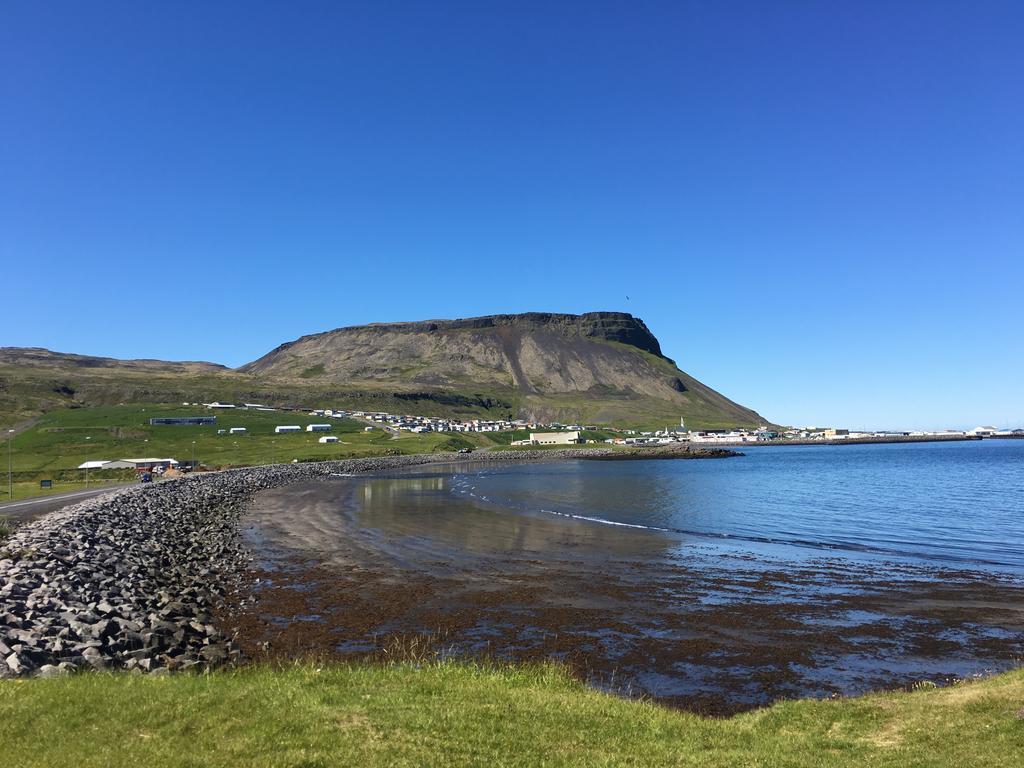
[156, 579]
[129, 579]
[358, 571]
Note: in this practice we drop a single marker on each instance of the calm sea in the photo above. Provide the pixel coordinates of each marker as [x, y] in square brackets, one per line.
[955, 505]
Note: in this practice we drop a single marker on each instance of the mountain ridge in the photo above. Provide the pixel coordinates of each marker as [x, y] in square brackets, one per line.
[590, 322]
[598, 367]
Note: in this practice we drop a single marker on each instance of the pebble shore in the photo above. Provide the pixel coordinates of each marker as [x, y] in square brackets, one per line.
[130, 579]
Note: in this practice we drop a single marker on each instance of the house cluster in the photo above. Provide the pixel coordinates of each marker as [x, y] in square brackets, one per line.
[570, 433]
[410, 423]
[994, 432]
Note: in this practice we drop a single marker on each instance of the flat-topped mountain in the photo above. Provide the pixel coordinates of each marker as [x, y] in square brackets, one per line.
[599, 367]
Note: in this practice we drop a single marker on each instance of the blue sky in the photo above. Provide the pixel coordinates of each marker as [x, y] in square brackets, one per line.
[817, 207]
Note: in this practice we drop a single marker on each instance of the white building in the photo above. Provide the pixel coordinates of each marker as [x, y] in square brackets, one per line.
[98, 464]
[140, 464]
[238, 430]
[318, 428]
[328, 439]
[551, 438]
[287, 428]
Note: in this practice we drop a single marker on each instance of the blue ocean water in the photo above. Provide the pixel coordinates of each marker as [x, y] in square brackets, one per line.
[954, 504]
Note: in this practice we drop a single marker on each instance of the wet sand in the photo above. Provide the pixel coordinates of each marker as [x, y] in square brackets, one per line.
[345, 570]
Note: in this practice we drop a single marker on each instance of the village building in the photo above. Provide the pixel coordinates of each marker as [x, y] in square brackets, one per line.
[551, 438]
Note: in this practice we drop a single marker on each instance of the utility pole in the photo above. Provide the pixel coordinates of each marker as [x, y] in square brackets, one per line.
[10, 474]
[193, 456]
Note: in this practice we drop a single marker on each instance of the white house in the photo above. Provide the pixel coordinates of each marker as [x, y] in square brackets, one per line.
[328, 439]
[287, 428]
[238, 430]
[318, 428]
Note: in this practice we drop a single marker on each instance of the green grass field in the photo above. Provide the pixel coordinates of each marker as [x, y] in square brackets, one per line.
[451, 714]
[61, 440]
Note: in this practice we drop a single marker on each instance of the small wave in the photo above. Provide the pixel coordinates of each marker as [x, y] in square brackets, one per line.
[606, 522]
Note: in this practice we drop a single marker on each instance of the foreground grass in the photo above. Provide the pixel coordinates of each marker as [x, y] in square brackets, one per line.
[457, 714]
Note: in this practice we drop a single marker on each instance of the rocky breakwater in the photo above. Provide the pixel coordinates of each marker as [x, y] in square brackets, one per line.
[130, 580]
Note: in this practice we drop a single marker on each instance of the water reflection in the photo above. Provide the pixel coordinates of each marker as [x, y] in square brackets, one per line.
[423, 512]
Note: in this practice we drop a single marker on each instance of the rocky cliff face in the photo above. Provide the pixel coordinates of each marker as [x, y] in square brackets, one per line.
[601, 366]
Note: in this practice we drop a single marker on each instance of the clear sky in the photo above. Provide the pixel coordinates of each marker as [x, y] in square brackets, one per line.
[817, 207]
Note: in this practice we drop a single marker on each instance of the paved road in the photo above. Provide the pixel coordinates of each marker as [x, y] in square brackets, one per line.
[30, 509]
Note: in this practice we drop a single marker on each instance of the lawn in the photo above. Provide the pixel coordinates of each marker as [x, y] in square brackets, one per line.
[61, 440]
[458, 714]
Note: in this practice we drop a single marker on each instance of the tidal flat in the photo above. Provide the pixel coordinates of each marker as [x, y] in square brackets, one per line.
[692, 583]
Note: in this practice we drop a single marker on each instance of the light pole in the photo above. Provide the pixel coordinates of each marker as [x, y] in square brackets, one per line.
[10, 474]
[87, 466]
[193, 456]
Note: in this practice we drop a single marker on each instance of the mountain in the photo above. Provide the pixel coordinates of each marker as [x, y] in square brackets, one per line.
[37, 357]
[602, 367]
[599, 367]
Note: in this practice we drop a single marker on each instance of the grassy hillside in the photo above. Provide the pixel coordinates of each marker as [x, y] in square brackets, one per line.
[26, 392]
[454, 714]
[63, 439]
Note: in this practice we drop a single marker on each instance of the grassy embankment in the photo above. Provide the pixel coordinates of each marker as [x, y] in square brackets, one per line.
[458, 714]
